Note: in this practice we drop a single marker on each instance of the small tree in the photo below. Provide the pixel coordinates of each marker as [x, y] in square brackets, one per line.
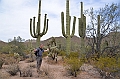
[109, 16]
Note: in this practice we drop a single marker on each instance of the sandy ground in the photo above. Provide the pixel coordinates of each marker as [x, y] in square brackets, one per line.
[50, 70]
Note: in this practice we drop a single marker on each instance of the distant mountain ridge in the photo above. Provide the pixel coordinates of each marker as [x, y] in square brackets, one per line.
[74, 39]
[59, 40]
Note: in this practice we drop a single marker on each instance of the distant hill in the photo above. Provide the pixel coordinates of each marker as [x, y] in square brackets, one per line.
[62, 40]
[75, 40]
[2, 43]
[59, 40]
[113, 38]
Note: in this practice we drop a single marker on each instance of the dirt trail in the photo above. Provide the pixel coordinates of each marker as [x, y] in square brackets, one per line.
[56, 70]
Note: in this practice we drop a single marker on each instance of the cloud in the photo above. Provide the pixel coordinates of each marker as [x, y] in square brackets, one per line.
[15, 19]
[15, 15]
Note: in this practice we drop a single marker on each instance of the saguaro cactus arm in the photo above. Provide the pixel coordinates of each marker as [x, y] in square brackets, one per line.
[73, 29]
[31, 28]
[82, 23]
[62, 22]
[37, 30]
[45, 29]
[84, 26]
[79, 27]
[34, 33]
[81, 9]
[98, 28]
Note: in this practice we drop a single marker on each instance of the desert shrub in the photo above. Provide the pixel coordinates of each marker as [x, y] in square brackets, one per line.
[45, 54]
[10, 60]
[73, 64]
[2, 57]
[30, 58]
[62, 53]
[118, 62]
[12, 69]
[16, 55]
[47, 72]
[108, 65]
[46, 69]
[22, 58]
[26, 72]
[1, 63]
[74, 54]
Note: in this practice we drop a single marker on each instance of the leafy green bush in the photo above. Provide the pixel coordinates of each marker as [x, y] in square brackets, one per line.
[73, 64]
[62, 53]
[74, 54]
[12, 69]
[45, 54]
[108, 67]
[118, 62]
[108, 64]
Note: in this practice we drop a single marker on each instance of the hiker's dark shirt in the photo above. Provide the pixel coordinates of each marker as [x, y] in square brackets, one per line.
[40, 51]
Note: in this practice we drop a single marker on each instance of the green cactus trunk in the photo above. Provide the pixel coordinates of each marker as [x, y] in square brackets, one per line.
[38, 41]
[98, 35]
[36, 31]
[82, 29]
[68, 45]
[67, 34]
[68, 39]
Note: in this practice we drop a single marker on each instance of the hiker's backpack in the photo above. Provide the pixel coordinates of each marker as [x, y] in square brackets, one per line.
[36, 52]
[39, 52]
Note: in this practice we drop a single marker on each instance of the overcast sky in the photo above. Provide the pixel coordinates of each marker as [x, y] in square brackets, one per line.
[15, 15]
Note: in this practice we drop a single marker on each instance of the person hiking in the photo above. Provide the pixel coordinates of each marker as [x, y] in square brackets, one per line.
[38, 52]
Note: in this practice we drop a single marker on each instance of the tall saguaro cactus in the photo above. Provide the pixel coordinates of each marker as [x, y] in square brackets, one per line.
[36, 30]
[82, 29]
[67, 35]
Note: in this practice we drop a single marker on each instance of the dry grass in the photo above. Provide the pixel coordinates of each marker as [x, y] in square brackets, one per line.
[47, 72]
[10, 60]
[12, 69]
[26, 72]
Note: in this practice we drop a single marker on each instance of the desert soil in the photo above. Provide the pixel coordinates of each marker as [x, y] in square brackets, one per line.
[51, 70]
